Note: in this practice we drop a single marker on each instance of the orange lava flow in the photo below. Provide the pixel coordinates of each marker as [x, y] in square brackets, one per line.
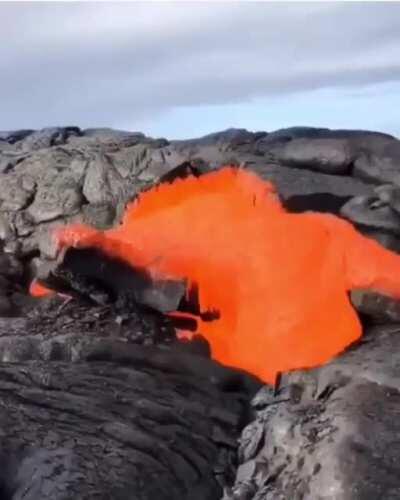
[278, 280]
[38, 290]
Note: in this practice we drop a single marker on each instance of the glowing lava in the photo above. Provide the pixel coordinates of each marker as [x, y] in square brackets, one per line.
[38, 290]
[278, 280]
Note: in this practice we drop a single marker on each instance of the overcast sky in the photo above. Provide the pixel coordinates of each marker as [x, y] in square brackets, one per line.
[186, 69]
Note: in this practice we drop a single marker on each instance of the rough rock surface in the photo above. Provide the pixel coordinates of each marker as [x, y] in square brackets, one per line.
[328, 433]
[63, 174]
[331, 156]
[164, 423]
[90, 408]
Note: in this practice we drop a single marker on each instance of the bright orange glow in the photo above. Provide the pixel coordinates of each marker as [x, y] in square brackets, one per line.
[278, 280]
[38, 290]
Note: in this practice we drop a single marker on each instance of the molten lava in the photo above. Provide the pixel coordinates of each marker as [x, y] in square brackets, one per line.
[36, 289]
[278, 281]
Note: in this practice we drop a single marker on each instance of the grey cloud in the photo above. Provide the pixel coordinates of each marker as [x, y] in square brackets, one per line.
[104, 63]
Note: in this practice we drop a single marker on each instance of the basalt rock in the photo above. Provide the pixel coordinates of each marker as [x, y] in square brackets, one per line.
[329, 156]
[302, 182]
[92, 274]
[125, 420]
[328, 433]
[65, 174]
[371, 156]
[376, 308]
[47, 137]
[11, 284]
[372, 213]
[381, 165]
[135, 413]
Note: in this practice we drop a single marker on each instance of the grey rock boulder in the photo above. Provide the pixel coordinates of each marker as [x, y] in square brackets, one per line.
[363, 137]
[330, 156]
[389, 194]
[370, 156]
[112, 135]
[294, 182]
[16, 191]
[99, 215]
[57, 196]
[230, 137]
[377, 308]
[103, 183]
[371, 212]
[379, 168]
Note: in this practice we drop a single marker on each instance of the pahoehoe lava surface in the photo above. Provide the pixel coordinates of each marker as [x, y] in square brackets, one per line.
[123, 420]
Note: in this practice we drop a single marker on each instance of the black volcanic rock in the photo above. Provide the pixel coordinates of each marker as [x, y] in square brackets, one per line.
[47, 137]
[330, 156]
[64, 174]
[379, 165]
[232, 137]
[291, 133]
[373, 213]
[86, 396]
[106, 134]
[300, 182]
[127, 416]
[328, 151]
[328, 433]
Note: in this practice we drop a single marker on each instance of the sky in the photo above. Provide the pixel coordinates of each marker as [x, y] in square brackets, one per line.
[181, 70]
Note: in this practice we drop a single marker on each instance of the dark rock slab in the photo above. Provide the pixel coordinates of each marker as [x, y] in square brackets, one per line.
[316, 202]
[330, 156]
[115, 430]
[288, 134]
[92, 274]
[377, 215]
[389, 194]
[110, 134]
[232, 137]
[377, 308]
[15, 135]
[328, 433]
[298, 182]
[372, 212]
[381, 165]
[89, 408]
[370, 156]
